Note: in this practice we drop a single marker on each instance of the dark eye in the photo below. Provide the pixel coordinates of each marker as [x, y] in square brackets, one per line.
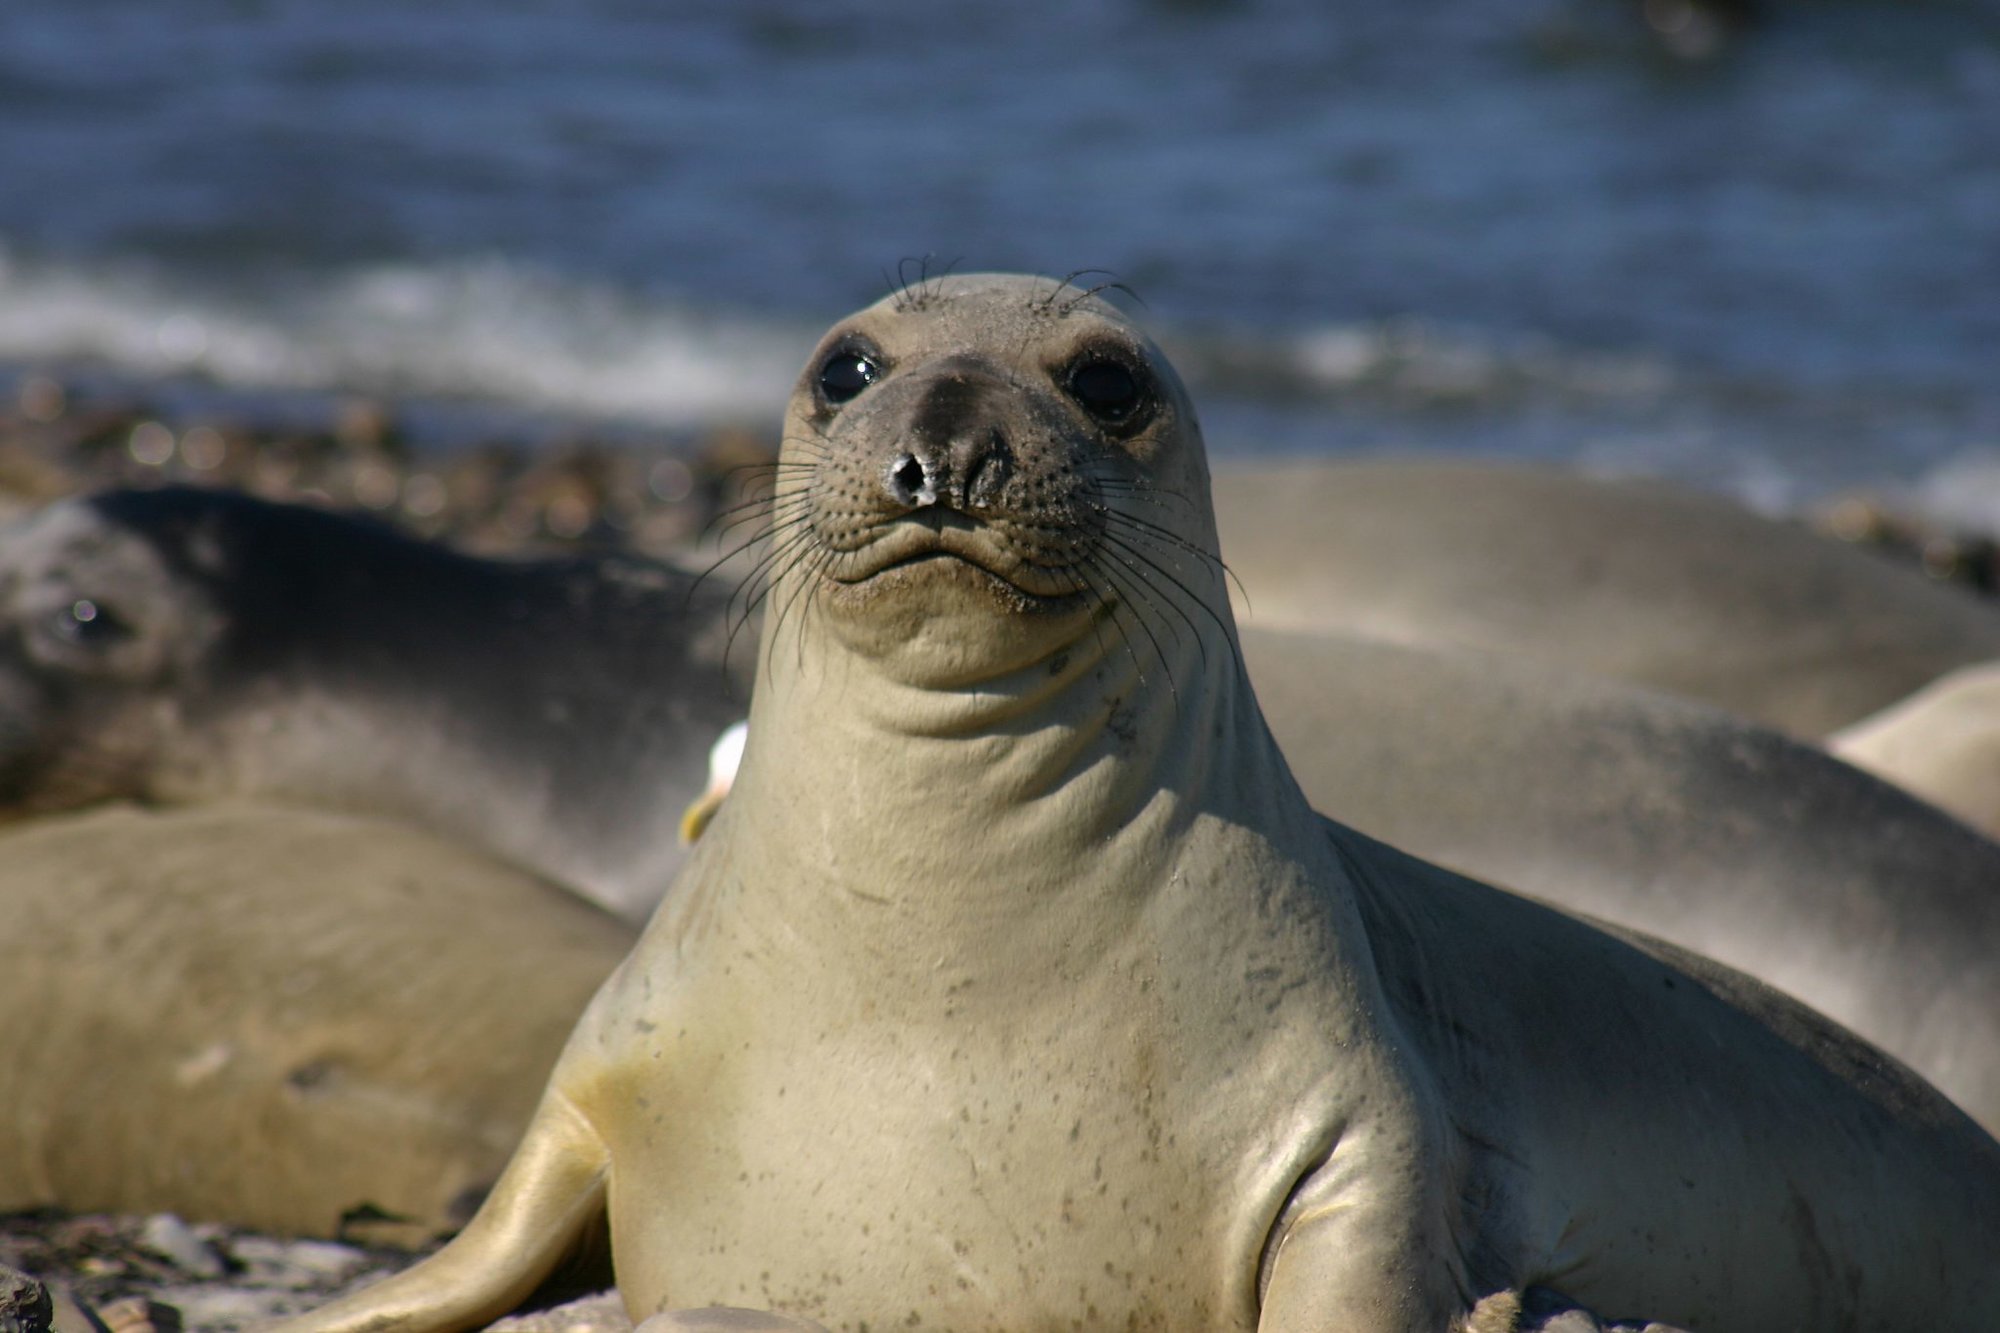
[88, 624]
[846, 373]
[1107, 390]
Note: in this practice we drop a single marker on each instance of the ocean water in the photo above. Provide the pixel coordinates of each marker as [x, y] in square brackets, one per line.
[1522, 229]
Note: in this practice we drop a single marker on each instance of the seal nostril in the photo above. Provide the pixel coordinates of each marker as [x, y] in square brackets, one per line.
[989, 471]
[910, 483]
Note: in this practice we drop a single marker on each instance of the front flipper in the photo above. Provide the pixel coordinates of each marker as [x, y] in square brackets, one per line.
[544, 1200]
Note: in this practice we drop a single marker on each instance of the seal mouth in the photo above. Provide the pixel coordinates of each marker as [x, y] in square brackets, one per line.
[910, 545]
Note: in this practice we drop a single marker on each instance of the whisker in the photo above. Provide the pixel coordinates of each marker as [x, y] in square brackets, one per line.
[1079, 584]
[778, 524]
[1174, 539]
[1130, 596]
[1140, 563]
[763, 579]
[784, 541]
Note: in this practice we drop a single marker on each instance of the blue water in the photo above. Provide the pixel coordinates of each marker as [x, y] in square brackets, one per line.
[1515, 228]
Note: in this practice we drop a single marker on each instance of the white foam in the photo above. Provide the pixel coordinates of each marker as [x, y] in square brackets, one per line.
[484, 330]
[1962, 493]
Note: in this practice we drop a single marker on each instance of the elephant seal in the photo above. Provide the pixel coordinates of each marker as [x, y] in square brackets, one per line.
[1943, 743]
[181, 645]
[1016, 985]
[1666, 816]
[1637, 580]
[275, 1017]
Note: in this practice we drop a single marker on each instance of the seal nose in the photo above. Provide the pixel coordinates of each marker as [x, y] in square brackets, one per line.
[955, 453]
[968, 478]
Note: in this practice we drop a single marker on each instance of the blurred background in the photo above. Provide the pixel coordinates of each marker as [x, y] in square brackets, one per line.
[1754, 245]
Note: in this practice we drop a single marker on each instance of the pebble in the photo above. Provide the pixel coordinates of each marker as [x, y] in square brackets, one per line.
[24, 1304]
[139, 1314]
[507, 495]
[600, 1312]
[169, 1237]
[296, 1263]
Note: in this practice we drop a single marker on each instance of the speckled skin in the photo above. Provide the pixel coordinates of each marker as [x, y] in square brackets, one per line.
[1018, 987]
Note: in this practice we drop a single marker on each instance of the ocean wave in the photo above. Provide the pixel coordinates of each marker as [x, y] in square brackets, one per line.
[503, 336]
[483, 330]
[500, 331]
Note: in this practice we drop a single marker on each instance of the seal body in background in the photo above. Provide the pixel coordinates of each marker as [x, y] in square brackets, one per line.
[1018, 986]
[1664, 815]
[181, 646]
[279, 1018]
[1633, 580]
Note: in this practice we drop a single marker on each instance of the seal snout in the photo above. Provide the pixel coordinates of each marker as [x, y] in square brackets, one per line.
[966, 475]
[956, 452]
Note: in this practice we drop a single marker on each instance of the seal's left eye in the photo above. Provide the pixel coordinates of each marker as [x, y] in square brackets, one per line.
[1107, 390]
[845, 374]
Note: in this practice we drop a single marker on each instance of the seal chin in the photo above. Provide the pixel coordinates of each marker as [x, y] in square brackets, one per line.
[929, 619]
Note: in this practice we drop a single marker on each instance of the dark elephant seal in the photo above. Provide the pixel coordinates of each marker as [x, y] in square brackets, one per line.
[1017, 985]
[1636, 580]
[179, 645]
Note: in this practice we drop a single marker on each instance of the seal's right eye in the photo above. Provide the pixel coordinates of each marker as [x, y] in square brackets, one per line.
[846, 373]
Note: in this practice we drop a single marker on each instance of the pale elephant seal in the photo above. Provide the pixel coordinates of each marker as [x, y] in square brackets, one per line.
[181, 645]
[1943, 743]
[1667, 816]
[276, 1018]
[1017, 986]
[1638, 580]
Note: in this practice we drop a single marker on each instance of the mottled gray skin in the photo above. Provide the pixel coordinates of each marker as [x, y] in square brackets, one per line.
[180, 646]
[1018, 986]
[1664, 815]
[1635, 580]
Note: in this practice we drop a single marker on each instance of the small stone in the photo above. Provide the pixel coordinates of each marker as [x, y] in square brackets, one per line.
[297, 1263]
[24, 1304]
[231, 1307]
[600, 1312]
[137, 1314]
[169, 1237]
[70, 1314]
